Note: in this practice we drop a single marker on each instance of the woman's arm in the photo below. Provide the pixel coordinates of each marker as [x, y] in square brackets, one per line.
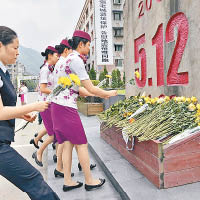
[44, 89]
[97, 91]
[84, 93]
[11, 112]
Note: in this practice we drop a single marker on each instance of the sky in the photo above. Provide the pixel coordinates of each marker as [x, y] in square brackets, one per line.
[39, 23]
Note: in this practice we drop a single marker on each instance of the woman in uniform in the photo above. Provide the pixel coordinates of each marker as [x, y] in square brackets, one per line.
[13, 166]
[65, 106]
[45, 88]
[64, 49]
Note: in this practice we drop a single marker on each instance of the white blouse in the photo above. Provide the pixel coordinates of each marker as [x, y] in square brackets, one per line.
[46, 76]
[65, 66]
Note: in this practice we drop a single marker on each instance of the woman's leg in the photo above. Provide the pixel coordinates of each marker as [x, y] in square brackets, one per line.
[83, 156]
[48, 141]
[59, 165]
[67, 163]
[22, 174]
[42, 133]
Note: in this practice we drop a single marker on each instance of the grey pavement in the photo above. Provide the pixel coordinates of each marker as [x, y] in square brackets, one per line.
[134, 184]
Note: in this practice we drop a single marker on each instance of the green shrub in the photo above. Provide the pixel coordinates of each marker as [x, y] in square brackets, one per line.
[92, 74]
[95, 82]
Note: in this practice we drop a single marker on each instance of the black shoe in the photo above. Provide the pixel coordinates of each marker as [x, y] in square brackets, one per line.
[55, 158]
[57, 173]
[91, 166]
[53, 146]
[36, 135]
[34, 156]
[92, 187]
[40, 139]
[68, 188]
[32, 141]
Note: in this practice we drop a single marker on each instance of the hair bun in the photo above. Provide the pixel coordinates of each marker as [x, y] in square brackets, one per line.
[43, 53]
[57, 47]
[70, 41]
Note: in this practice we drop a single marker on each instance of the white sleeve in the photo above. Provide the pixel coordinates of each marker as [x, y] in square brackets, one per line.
[1, 82]
[44, 75]
[77, 66]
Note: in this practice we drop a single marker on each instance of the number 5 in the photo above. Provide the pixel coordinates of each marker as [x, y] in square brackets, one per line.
[140, 54]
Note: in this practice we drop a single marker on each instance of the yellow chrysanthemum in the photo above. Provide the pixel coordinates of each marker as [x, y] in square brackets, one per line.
[197, 119]
[147, 99]
[198, 106]
[183, 99]
[178, 99]
[137, 74]
[167, 98]
[153, 101]
[192, 107]
[129, 113]
[108, 76]
[75, 79]
[156, 98]
[194, 99]
[188, 100]
[198, 124]
[65, 81]
[141, 103]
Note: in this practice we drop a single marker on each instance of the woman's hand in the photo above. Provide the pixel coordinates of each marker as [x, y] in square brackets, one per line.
[111, 93]
[29, 117]
[41, 106]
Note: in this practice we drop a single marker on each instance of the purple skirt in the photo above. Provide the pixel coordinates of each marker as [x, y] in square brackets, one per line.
[46, 117]
[67, 125]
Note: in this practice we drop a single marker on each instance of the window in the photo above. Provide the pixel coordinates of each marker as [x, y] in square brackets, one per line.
[92, 35]
[91, 19]
[87, 27]
[118, 32]
[116, 1]
[86, 14]
[90, 4]
[118, 62]
[117, 15]
[118, 47]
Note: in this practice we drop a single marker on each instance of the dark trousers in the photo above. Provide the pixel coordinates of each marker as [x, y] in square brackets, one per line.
[23, 175]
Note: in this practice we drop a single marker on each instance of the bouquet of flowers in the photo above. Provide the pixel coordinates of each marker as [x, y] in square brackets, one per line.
[63, 84]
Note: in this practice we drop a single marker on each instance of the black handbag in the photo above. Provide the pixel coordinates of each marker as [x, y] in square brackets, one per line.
[19, 95]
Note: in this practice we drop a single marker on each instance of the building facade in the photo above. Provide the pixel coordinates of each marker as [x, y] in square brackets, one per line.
[16, 71]
[86, 23]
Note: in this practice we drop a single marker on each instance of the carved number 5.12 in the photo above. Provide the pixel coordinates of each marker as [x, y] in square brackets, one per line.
[180, 21]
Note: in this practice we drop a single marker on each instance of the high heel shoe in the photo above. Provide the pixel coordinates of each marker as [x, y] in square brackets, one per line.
[32, 141]
[53, 146]
[91, 166]
[40, 139]
[67, 188]
[55, 158]
[92, 187]
[34, 156]
[60, 174]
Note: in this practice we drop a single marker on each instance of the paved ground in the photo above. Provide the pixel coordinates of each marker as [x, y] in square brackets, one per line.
[133, 183]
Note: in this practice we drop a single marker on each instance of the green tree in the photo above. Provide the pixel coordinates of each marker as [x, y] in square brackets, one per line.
[124, 79]
[105, 70]
[101, 76]
[114, 79]
[118, 78]
[92, 74]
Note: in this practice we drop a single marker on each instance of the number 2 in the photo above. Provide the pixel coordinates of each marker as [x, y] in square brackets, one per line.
[179, 20]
